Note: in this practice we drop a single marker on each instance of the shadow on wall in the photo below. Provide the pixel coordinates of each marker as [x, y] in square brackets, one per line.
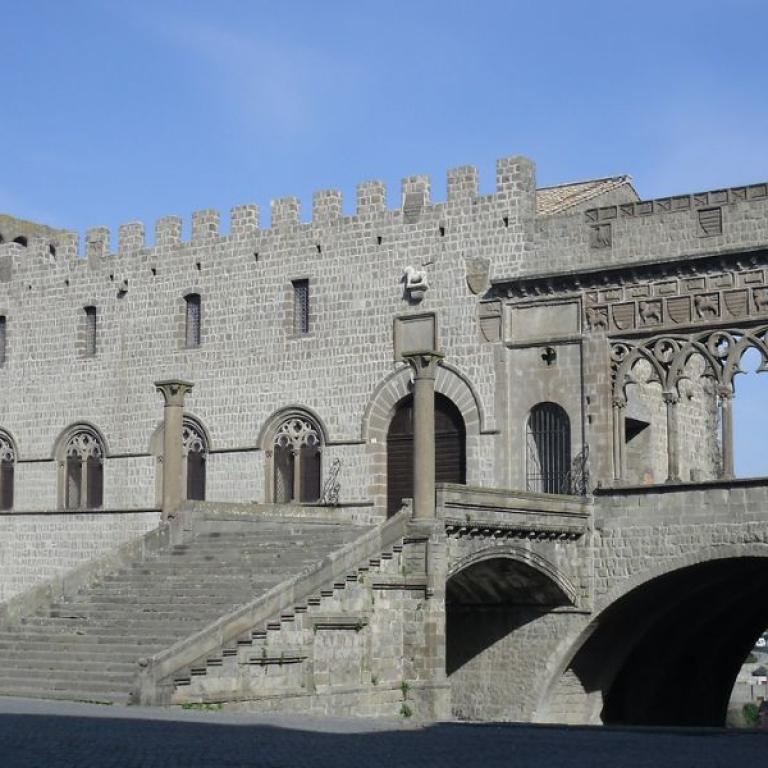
[489, 599]
[668, 652]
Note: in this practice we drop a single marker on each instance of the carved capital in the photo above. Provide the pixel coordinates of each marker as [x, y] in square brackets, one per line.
[619, 401]
[670, 398]
[424, 364]
[174, 391]
[725, 392]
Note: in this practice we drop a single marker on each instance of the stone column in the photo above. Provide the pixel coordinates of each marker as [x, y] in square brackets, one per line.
[726, 403]
[619, 460]
[424, 366]
[673, 455]
[173, 391]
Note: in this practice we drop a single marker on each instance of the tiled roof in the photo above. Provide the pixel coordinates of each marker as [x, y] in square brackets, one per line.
[551, 200]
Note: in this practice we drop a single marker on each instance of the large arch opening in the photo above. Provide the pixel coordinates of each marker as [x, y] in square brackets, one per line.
[450, 449]
[668, 652]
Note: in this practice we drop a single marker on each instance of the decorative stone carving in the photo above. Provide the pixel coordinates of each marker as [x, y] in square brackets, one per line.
[679, 309]
[7, 455]
[736, 303]
[84, 445]
[192, 439]
[296, 432]
[597, 318]
[489, 318]
[416, 284]
[650, 312]
[707, 305]
[624, 316]
[477, 270]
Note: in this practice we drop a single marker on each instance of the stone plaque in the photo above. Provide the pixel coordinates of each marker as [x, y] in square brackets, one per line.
[750, 278]
[667, 288]
[415, 333]
[545, 321]
[694, 284]
[721, 281]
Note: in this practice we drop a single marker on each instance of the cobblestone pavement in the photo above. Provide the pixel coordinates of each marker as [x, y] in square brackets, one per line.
[54, 735]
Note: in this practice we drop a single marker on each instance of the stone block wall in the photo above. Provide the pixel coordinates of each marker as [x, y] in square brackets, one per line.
[38, 547]
[250, 364]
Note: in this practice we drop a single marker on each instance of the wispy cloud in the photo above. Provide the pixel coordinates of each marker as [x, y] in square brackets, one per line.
[266, 82]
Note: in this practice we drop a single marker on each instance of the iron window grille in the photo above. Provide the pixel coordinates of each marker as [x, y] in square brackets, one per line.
[300, 307]
[548, 442]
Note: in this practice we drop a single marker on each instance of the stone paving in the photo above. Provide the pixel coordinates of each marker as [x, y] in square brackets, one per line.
[59, 734]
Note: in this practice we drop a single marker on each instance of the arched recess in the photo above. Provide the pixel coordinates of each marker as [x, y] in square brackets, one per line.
[450, 449]
[495, 602]
[80, 451]
[196, 444]
[8, 456]
[449, 382]
[293, 440]
[548, 449]
[667, 646]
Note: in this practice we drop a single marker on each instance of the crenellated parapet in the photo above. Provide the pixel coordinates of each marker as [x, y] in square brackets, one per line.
[512, 202]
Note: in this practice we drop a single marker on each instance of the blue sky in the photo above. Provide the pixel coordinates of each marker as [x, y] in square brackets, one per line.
[115, 112]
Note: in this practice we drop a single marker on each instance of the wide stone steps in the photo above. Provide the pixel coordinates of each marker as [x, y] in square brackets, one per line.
[88, 647]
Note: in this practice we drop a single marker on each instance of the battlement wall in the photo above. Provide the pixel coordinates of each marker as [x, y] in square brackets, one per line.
[511, 207]
[681, 227]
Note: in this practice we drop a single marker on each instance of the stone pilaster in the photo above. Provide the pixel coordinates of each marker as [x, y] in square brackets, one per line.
[173, 391]
[726, 404]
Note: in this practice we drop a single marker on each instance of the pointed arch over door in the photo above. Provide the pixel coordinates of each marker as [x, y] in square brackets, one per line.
[450, 449]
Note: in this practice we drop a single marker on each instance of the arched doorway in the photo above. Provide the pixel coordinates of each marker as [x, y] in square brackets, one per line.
[450, 449]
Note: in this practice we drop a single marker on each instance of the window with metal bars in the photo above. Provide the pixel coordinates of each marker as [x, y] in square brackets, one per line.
[90, 331]
[300, 307]
[194, 307]
[3, 339]
[548, 440]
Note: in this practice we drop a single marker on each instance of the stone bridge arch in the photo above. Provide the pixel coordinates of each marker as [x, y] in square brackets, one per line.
[500, 600]
[451, 383]
[664, 646]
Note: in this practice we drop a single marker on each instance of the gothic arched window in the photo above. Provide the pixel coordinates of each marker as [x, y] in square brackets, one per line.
[81, 467]
[195, 452]
[548, 442]
[7, 464]
[296, 461]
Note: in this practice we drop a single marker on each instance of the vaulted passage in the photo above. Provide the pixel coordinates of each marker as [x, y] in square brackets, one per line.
[496, 609]
[450, 449]
[668, 652]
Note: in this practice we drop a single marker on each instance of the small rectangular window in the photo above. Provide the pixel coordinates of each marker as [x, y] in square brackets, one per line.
[300, 307]
[3, 339]
[90, 331]
[193, 319]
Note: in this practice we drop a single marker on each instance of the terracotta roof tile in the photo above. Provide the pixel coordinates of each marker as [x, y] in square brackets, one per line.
[551, 200]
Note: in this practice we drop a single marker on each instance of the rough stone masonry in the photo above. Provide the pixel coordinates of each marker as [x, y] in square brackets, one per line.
[568, 355]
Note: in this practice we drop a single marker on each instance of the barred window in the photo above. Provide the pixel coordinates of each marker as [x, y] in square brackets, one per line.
[3, 339]
[90, 331]
[300, 307]
[548, 449]
[193, 319]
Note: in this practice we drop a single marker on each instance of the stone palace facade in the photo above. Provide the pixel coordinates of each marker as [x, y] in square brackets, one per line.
[566, 354]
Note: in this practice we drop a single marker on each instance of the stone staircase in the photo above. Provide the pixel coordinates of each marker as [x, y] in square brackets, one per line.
[88, 647]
